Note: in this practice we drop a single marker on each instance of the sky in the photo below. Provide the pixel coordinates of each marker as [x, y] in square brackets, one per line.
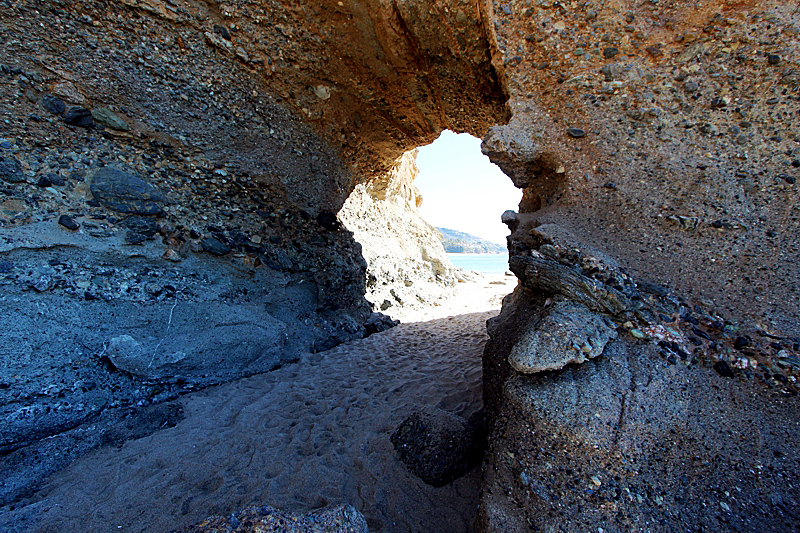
[462, 190]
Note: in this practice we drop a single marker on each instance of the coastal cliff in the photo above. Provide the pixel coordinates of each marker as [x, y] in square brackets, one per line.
[407, 267]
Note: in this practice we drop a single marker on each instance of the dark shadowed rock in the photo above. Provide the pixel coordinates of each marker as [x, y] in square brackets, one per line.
[26, 468]
[378, 322]
[126, 192]
[438, 446]
[723, 369]
[68, 222]
[50, 179]
[328, 220]
[11, 170]
[214, 246]
[139, 228]
[79, 116]
[53, 104]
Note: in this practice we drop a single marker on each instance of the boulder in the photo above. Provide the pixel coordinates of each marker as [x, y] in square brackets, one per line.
[197, 342]
[125, 192]
[438, 446]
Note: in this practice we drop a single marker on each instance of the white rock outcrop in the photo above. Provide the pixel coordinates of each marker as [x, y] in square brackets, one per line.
[408, 266]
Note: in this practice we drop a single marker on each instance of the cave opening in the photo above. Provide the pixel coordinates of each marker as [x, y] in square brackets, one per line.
[465, 192]
[430, 224]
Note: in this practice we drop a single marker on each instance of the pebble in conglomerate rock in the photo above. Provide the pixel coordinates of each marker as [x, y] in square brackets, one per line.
[106, 117]
[11, 170]
[68, 222]
[53, 104]
[50, 179]
[43, 284]
[126, 193]
[570, 333]
[214, 246]
[610, 52]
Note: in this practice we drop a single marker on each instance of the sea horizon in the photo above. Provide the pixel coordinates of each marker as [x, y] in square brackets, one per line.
[486, 263]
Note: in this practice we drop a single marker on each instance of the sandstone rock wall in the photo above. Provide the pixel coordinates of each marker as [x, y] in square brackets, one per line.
[663, 132]
[656, 150]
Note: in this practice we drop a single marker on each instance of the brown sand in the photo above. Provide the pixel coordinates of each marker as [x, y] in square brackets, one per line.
[309, 435]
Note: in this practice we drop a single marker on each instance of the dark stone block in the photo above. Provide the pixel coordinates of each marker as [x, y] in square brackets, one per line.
[214, 246]
[126, 193]
[439, 446]
[79, 116]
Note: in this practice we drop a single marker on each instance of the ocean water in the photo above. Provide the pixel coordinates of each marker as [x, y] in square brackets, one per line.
[489, 263]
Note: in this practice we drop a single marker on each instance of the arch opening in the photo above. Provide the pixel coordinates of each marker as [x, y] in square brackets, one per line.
[439, 203]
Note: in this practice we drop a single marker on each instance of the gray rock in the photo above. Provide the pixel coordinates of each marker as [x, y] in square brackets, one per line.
[193, 341]
[214, 246]
[53, 104]
[265, 519]
[126, 193]
[539, 273]
[570, 333]
[108, 118]
[11, 170]
[438, 446]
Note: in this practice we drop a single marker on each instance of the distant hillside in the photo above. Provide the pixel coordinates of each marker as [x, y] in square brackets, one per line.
[458, 242]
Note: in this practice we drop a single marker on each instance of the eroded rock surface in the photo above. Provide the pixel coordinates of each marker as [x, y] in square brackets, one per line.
[569, 333]
[340, 519]
[629, 441]
[661, 133]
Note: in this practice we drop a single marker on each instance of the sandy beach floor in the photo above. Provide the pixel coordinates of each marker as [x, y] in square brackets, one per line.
[308, 435]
